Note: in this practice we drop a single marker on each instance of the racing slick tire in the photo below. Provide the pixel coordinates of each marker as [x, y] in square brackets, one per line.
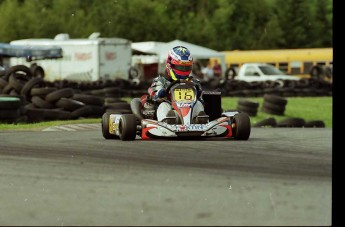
[128, 127]
[105, 127]
[242, 126]
[37, 71]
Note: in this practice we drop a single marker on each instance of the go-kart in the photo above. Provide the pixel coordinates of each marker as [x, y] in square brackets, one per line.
[143, 121]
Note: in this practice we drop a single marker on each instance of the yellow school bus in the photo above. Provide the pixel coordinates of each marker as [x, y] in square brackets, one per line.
[292, 61]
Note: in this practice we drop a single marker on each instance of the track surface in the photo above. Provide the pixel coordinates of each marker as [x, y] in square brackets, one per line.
[278, 177]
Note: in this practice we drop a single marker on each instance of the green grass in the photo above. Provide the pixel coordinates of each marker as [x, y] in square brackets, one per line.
[42, 125]
[308, 108]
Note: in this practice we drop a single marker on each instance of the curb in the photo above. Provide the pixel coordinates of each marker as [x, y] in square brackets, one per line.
[74, 127]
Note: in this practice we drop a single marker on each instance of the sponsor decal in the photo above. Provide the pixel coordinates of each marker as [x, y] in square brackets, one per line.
[114, 121]
[82, 56]
[186, 128]
[184, 105]
[110, 55]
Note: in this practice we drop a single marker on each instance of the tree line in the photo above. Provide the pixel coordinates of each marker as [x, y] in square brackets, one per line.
[216, 24]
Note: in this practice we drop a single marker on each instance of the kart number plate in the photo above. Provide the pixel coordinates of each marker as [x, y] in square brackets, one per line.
[183, 94]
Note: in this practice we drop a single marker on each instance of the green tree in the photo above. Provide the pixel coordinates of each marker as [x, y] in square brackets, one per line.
[295, 19]
[217, 24]
[323, 26]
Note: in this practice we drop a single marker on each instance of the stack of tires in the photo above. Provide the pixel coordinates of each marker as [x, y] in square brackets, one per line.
[248, 107]
[274, 104]
[62, 104]
[28, 98]
[116, 105]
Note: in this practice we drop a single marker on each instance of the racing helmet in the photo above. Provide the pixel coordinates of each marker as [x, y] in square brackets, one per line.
[179, 63]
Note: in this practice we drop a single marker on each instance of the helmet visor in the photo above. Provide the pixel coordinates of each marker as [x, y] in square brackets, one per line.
[183, 68]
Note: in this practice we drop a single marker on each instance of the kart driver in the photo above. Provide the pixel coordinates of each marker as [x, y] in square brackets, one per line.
[179, 65]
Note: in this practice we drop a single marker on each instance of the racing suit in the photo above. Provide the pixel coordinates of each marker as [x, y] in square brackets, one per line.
[157, 91]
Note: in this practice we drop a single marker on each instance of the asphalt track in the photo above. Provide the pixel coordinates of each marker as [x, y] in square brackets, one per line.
[279, 176]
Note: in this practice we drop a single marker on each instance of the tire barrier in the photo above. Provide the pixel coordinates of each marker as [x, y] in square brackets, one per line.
[290, 122]
[42, 99]
[274, 104]
[268, 122]
[37, 71]
[247, 106]
[324, 73]
[27, 98]
[286, 88]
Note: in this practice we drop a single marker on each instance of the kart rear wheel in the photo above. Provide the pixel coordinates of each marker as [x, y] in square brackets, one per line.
[105, 127]
[128, 127]
[242, 127]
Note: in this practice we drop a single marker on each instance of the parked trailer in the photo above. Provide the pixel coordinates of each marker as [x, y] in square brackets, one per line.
[89, 59]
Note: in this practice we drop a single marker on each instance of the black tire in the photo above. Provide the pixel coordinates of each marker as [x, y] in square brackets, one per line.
[112, 91]
[18, 68]
[128, 127]
[87, 111]
[89, 99]
[42, 91]
[61, 93]
[69, 104]
[242, 126]
[17, 81]
[248, 103]
[268, 122]
[37, 71]
[84, 111]
[118, 111]
[303, 83]
[273, 112]
[34, 114]
[316, 71]
[291, 122]
[273, 107]
[275, 99]
[248, 110]
[33, 82]
[119, 105]
[108, 100]
[41, 103]
[7, 89]
[315, 124]
[56, 114]
[105, 127]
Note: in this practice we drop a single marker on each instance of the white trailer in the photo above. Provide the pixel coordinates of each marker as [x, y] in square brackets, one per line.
[83, 59]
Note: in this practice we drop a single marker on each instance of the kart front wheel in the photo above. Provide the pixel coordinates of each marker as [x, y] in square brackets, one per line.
[128, 127]
[241, 126]
[105, 127]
